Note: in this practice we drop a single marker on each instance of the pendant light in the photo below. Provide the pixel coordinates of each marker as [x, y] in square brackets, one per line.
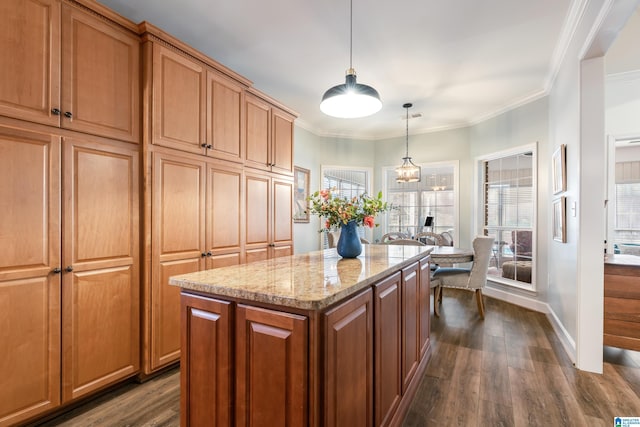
[408, 172]
[351, 99]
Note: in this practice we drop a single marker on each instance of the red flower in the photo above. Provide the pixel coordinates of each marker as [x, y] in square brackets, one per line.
[324, 194]
[368, 221]
[327, 224]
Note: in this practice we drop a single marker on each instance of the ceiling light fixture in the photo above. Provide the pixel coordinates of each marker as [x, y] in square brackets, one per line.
[351, 99]
[408, 172]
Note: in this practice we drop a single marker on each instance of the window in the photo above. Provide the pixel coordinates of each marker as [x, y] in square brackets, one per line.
[349, 182]
[508, 214]
[434, 196]
[626, 233]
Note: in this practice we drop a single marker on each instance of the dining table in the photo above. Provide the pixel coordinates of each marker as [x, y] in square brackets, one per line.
[447, 256]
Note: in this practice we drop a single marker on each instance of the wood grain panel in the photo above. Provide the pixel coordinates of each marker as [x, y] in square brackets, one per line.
[207, 382]
[29, 203]
[257, 131]
[622, 286]
[259, 254]
[282, 211]
[30, 72]
[224, 112]
[223, 260]
[29, 292]
[178, 206]
[271, 368]
[348, 400]
[224, 208]
[100, 77]
[410, 324]
[424, 310]
[165, 311]
[622, 309]
[106, 199]
[100, 329]
[257, 202]
[178, 101]
[388, 386]
[30, 357]
[280, 251]
[282, 142]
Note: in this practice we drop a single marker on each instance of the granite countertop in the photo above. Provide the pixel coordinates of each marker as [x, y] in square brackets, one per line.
[308, 281]
[623, 259]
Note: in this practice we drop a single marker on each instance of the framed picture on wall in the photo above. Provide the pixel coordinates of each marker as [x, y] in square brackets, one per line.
[559, 170]
[559, 220]
[300, 194]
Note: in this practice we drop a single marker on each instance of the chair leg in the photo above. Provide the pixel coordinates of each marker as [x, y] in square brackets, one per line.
[480, 302]
[436, 306]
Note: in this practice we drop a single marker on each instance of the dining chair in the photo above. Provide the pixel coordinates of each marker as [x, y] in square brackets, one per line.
[407, 242]
[430, 238]
[447, 238]
[474, 278]
[393, 236]
[334, 236]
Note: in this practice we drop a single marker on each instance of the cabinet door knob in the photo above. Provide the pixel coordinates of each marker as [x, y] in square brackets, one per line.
[203, 145]
[209, 253]
[69, 269]
[68, 114]
[209, 146]
[57, 270]
[55, 112]
[203, 254]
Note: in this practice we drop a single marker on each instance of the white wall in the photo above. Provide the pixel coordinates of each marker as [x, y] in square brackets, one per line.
[525, 125]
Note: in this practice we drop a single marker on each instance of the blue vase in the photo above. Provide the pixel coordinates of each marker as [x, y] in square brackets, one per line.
[349, 245]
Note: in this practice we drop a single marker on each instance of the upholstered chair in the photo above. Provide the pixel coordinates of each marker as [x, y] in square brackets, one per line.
[473, 278]
[447, 238]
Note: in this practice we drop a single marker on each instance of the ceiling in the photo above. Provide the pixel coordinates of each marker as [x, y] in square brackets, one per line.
[457, 61]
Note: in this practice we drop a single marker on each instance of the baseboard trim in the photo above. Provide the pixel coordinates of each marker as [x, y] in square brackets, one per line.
[563, 335]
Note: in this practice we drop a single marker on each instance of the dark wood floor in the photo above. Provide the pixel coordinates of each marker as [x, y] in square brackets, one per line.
[508, 370]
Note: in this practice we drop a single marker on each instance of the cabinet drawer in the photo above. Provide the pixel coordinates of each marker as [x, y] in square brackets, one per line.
[622, 309]
[621, 286]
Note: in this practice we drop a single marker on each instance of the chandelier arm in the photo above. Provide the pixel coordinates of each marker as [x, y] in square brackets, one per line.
[350, 34]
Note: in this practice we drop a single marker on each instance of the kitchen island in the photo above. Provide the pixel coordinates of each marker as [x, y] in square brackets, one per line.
[306, 340]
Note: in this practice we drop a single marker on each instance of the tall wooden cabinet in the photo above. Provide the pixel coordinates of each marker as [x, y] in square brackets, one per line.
[30, 290]
[204, 208]
[71, 268]
[69, 68]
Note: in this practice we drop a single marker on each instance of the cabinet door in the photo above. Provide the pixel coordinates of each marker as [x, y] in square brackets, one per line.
[206, 381]
[257, 129]
[387, 306]
[348, 382]
[410, 324]
[282, 211]
[225, 197]
[224, 111]
[425, 307]
[178, 101]
[258, 216]
[100, 77]
[282, 142]
[30, 69]
[29, 290]
[100, 278]
[271, 368]
[178, 229]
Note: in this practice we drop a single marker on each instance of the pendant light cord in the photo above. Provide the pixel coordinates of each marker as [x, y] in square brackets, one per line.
[407, 152]
[351, 35]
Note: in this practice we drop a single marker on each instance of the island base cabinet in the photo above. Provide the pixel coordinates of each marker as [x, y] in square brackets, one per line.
[271, 368]
[205, 375]
[349, 363]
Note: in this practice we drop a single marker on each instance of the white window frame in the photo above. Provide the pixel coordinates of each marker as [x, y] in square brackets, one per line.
[456, 192]
[369, 185]
[479, 209]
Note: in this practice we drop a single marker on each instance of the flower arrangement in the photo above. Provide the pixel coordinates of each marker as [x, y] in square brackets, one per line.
[338, 211]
